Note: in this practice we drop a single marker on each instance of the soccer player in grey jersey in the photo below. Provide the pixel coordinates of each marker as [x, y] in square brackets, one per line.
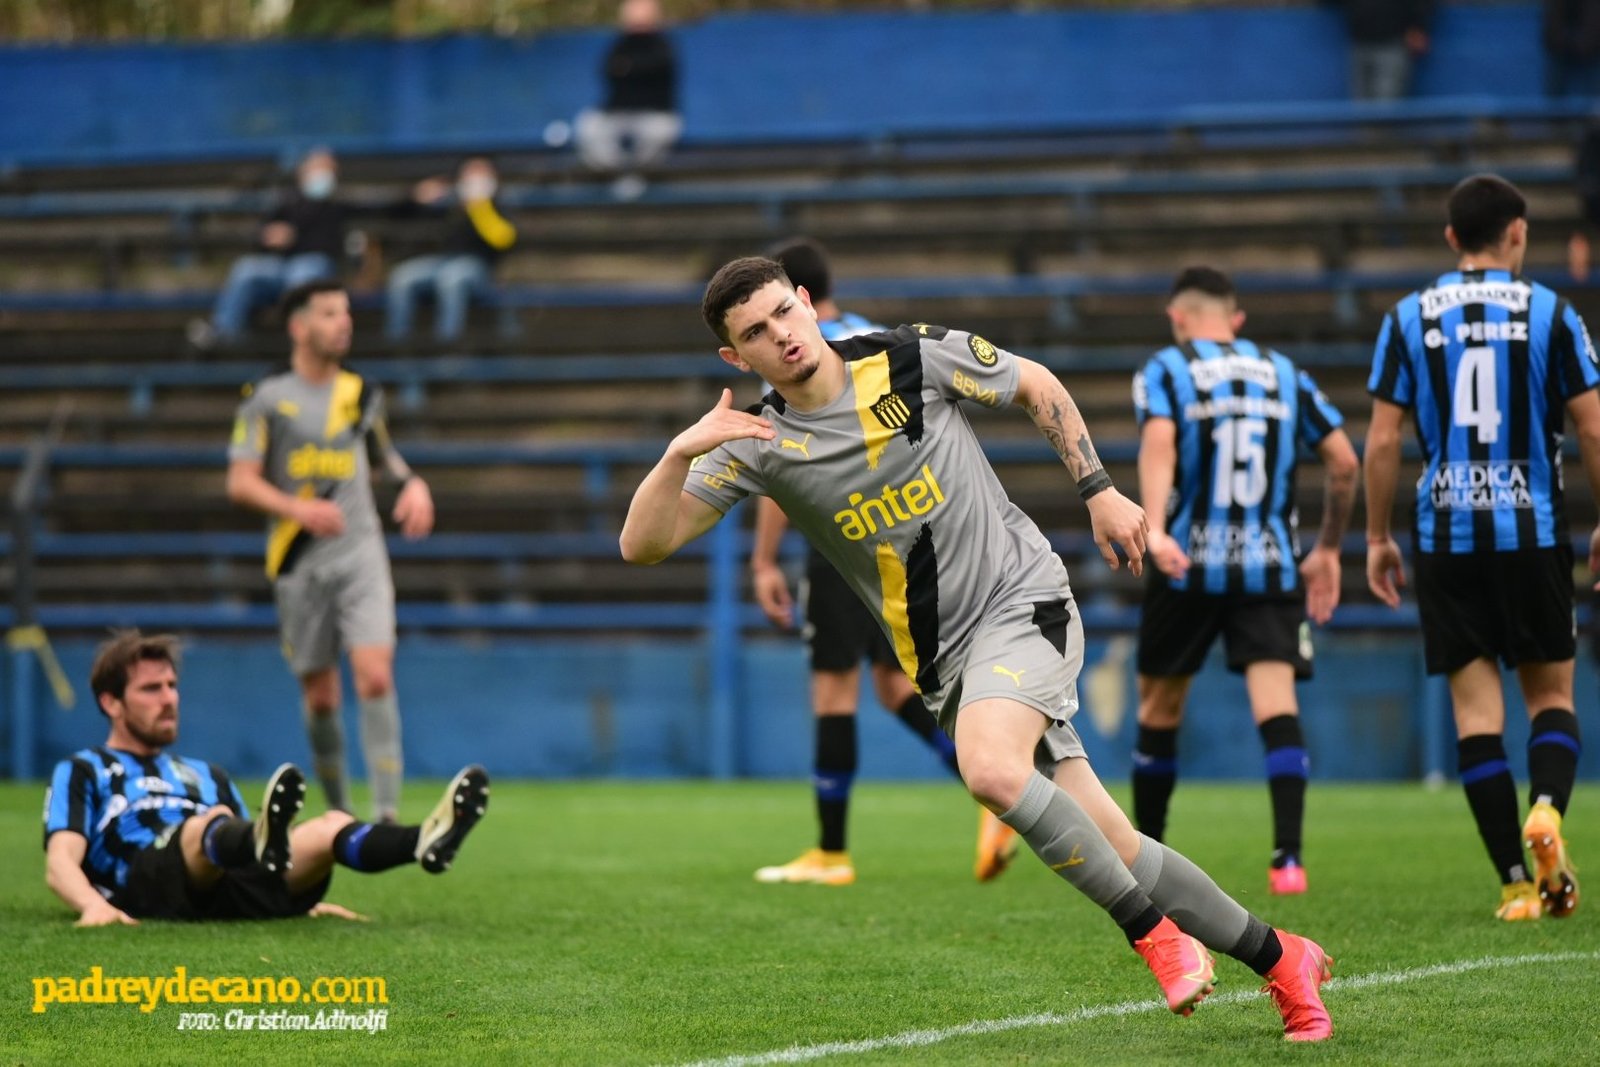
[305, 446]
[894, 489]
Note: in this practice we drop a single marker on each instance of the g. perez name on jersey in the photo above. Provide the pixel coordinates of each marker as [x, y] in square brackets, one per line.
[1479, 333]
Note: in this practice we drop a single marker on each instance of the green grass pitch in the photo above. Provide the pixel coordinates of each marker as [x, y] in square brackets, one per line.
[618, 923]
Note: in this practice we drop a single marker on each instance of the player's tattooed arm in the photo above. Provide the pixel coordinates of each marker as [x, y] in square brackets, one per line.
[1338, 500]
[1052, 409]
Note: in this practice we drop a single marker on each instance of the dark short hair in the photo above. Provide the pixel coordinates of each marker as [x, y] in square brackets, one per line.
[1207, 280]
[806, 263]
[1480, 209]
[733, 285]
[300, 296]
[116, 657]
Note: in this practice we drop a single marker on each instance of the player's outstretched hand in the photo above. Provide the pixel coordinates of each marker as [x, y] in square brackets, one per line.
[1386, 574]
[1165, 552]
[413, 510]
[1320, 572]
[1116, 520]
[320, 518]
[771, 591]
[718, 426]
[104, 913]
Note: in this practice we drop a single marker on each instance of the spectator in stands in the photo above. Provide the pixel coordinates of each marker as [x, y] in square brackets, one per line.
[1386, 36]
[639, 120]
[476, 234]
[301, 240]
[134, 831]
[1572, 47]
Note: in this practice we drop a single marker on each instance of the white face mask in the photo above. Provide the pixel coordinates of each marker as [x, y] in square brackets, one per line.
[318, 184]
[476, 188]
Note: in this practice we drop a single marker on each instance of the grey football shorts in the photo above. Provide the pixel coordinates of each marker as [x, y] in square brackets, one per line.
[1031, 653]
[344, 601]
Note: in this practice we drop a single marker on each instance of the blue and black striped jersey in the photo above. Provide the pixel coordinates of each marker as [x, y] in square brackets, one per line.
[1486, 362]
[848, 324]
[1242, 414]
[123, 803]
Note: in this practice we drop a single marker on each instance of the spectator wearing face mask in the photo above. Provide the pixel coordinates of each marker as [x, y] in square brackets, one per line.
[474, 234]
[301, 240]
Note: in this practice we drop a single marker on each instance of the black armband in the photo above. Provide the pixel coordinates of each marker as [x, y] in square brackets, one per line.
[1090, 484]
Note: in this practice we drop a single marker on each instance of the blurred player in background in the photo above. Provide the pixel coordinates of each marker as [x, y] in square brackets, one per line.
[1489, 364]
[839, 633]
[895, 490]
[134, 831]
[1221, 421]
[305, 446]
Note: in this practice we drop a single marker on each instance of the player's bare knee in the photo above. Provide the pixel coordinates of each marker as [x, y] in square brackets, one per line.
[315, 836]
[321, 693]
[1161, 702]
[191, 835]
[374, 683]
[891, 686]
[993, 781]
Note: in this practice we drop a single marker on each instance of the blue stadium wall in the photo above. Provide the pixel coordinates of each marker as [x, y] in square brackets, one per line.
[759, 76]
[565, 708]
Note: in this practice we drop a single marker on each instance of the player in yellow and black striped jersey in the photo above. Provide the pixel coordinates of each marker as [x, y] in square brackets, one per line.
[305, 446]
[895, 490]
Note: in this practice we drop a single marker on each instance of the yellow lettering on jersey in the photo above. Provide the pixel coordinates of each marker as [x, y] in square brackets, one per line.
[892, 580]
[969, 388]
[863, 516]
[344, 405]
[288, 409]
[308, 461]
[870, 377]
[284, 531]
[727, 475]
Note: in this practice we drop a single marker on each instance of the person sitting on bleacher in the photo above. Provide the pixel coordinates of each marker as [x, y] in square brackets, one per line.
[301, 240]
[639, 121]
[475, 236]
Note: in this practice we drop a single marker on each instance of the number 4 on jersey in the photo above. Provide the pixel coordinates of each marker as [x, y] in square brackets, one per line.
[1477, 399]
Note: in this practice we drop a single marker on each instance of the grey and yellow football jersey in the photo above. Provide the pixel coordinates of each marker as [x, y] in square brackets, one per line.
[890, 484]
[314, 441]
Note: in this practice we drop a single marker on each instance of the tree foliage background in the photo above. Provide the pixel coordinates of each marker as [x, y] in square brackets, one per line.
[107, 20]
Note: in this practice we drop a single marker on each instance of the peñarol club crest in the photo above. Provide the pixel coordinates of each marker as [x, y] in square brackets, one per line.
[891, 410]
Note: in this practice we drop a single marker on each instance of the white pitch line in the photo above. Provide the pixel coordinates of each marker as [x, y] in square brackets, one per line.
[920, 1038]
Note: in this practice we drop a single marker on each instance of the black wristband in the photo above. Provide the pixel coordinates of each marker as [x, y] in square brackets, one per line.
[1090, 484]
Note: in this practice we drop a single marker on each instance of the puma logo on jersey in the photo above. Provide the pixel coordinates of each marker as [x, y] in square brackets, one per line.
[802, 446]
[1072, 860]
[1015, 676]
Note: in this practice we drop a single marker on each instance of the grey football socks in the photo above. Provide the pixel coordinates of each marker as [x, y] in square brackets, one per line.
[380, 743]
[1200, 907]
[326, 733]
[1064, 836]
